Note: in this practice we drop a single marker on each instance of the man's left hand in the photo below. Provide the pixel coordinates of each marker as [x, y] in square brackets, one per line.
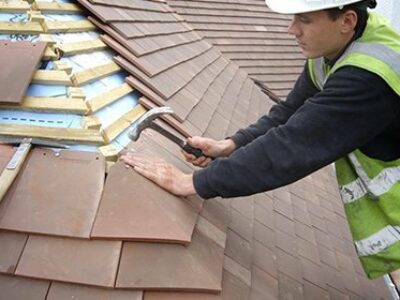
[162, 173]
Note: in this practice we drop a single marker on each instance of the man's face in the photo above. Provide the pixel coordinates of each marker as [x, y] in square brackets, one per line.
[317, 35]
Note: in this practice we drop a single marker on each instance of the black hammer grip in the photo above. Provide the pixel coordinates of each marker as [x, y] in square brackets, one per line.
[192, 150]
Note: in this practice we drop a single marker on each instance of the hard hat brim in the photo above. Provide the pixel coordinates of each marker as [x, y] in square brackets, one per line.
[303, 6]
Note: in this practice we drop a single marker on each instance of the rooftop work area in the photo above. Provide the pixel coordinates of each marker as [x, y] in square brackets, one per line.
[77, 223]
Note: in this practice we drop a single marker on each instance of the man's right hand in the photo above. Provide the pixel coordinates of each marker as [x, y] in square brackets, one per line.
[210, 147]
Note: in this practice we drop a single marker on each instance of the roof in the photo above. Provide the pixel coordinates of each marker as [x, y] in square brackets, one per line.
[76, 224]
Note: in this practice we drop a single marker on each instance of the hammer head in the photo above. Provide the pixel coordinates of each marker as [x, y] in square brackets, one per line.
[146, 120]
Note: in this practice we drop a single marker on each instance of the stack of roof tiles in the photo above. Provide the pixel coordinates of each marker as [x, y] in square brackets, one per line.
[70, 232]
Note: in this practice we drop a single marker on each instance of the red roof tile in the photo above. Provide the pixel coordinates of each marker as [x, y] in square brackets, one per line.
[11, 90]
[55, 193]
[70, 260]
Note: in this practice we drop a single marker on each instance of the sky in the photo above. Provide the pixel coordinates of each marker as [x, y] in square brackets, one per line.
[391, 10]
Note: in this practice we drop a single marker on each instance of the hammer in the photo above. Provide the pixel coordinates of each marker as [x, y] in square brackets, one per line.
[14, 165]
[147, 121]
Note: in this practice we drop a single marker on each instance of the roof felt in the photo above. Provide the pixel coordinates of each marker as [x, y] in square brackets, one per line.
[290, 243]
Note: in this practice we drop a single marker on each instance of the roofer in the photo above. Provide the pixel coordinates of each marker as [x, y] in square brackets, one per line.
[344, 108]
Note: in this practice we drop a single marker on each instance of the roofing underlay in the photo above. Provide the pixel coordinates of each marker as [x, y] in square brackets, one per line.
[75, 224]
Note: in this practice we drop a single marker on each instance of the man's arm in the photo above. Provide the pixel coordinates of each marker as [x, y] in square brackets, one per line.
[279, 113]
[353, 109]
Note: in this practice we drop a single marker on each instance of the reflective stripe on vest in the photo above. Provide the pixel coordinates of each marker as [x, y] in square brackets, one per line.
[378, 51]
[370, 189]
[374, 187]
[378, 242]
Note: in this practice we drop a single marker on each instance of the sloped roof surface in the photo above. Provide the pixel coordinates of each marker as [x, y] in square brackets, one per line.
[251, 35]
[291, 243]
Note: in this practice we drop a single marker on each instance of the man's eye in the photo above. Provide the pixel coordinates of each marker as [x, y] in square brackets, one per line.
[304, 20]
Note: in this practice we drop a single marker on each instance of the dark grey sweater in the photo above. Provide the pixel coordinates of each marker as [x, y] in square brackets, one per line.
[310, 130]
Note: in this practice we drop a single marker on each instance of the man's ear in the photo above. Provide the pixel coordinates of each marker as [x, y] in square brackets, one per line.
[349, 21]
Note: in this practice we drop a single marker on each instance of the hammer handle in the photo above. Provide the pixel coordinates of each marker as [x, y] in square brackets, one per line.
[192, 150]
[177, 140]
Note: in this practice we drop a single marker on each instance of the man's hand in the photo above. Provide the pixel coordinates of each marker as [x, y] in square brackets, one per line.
[162, 173]
[210, 147]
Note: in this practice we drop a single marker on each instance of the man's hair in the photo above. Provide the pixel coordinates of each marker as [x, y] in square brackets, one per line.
[360, 8]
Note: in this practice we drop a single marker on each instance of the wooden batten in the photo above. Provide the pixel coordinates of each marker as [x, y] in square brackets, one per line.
[109, 152]
[91, 122]
[21, 27]
[47, 104]
[81, 47]
[68, 26]
[50, 54]
[95, 73]
[14, 7]
[63, 65]
[123, 123]
[76, 92]
[51, 77]
[56, 7]
[104, 99]
[62, 135]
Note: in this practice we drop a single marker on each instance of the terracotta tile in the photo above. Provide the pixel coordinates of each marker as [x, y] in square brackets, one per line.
[264, 215]
[180, 296]
[305, 232]
[264, 235]
[289, 288]
[328, 257]
[265, 259]
[233, 289]
[313, 272]
[135, 4]
[135, 208]
[345, 262]
[337, 295]
[211, 231]
[241, 225]
[244, 205]
[196, 267]
[283, 208]
[308, 250]
[239, 249]
[301, 216]
[263, 286]
[313, 292]
[70, 260]
[237, 270]
[130, 31]
[352, 283]
[6, 153]
[264, 200]
[286, 243]
[66, 291]
[55, 193]
[289, 265]
[11, 247]
[17, 288]
[216, 213]
[334, 278]
[318, 223]
[11, 90]
[283, 223]
[323, 239]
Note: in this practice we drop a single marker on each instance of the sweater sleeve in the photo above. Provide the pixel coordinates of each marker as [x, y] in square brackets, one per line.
[279, 113]
[354, 107]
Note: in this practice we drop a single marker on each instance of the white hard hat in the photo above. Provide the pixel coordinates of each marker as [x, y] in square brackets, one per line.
[303, 6]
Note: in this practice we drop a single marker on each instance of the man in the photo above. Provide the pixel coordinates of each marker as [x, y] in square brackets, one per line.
[344, 108]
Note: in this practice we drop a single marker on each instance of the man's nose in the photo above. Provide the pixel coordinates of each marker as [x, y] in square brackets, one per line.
[293, 28]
